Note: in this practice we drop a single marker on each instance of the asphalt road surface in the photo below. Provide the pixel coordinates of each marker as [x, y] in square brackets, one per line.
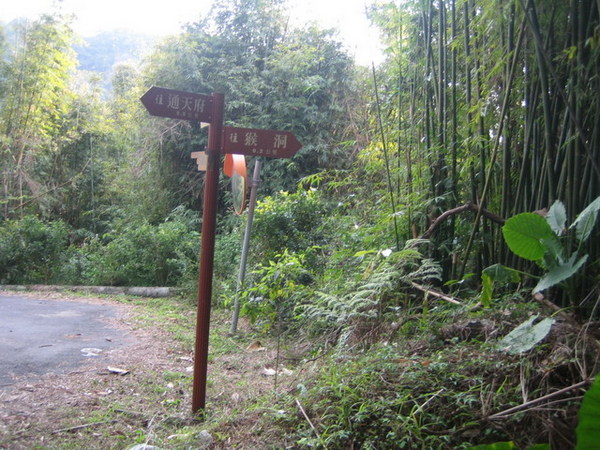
[40, 336]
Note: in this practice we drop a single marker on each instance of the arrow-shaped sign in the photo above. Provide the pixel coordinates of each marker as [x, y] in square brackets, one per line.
[255, 142]
[178, 104]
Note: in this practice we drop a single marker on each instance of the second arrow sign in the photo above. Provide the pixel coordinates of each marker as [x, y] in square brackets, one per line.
[256, 142]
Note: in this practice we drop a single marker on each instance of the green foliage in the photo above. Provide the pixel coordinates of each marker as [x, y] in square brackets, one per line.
[525, 235]
[31, 251]
[588, 428]
[145, 255]
[276, 289]
[541, 240]
[508, 446]
[287, 221]
[380, 287]
[499, 274]
[34, 102]
[586, 220]
[385, 398]
[272, 76]
[496, 446]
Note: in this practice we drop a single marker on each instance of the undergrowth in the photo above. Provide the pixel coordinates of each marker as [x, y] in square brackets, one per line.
[425, 374]
[435, 378]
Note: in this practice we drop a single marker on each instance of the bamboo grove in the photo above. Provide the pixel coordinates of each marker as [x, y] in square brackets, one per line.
[493, 103]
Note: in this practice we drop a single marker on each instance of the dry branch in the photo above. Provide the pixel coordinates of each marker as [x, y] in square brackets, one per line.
[466, 207]
[80, 427]
[435, 293]
[307, 418]
[534, 402]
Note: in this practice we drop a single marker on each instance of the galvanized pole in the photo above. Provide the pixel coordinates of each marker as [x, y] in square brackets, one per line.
[246, 242]
[209, 219]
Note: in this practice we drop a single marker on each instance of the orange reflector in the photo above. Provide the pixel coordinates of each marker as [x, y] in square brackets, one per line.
[235, 167]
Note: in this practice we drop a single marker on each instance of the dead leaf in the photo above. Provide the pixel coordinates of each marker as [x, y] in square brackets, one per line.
[256, 346]
[117, 370]
[268, 372]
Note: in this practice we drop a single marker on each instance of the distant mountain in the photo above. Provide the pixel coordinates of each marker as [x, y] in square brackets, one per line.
[101, 52]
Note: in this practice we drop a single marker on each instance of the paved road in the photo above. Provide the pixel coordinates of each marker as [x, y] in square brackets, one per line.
[39, 336]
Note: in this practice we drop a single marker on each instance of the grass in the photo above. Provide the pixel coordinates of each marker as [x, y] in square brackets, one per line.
[431, 382]
[152, 404]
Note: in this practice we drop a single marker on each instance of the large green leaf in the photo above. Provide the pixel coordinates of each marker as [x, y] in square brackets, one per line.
[496, 446]
[557, 217]
[487, 289]
[560, 273]
[555, 252]
[499, 273]
[586, 220]
[524, 337]
[588, 428]
[524, 233]
[502, 274]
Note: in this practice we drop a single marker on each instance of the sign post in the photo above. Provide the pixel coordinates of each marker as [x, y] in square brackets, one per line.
[246, 141]
[207, 252]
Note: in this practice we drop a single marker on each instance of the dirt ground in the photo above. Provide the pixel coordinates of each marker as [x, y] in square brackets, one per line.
[95, 407]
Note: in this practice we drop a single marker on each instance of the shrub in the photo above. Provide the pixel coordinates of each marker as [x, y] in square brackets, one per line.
[145, 255]
[31, 250]
[278, 286]
[287, 221]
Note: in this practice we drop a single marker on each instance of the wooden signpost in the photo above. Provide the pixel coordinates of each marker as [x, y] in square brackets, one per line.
[246, 141]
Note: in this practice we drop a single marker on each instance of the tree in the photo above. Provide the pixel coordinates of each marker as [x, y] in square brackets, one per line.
[271, 77]
[35, 97]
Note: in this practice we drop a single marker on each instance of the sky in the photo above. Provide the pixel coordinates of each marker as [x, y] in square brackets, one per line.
[166, 17]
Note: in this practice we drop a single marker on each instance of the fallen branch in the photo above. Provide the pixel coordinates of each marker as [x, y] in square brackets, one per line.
[466, 207]
[435, 293]
[532, 403]
[307, 419]
[131, 413]
[80, 427]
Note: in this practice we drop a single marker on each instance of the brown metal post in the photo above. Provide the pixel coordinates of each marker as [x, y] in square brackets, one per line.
[209, 219]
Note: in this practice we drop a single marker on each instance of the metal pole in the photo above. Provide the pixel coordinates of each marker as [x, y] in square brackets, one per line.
[209, 219]
[246, 242]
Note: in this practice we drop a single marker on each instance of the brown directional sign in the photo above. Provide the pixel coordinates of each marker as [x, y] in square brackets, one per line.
[178, 104]
[246, 141]
[253, 142]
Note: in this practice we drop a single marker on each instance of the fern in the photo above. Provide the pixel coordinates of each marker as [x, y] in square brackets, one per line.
[383, 278]
[429, 270]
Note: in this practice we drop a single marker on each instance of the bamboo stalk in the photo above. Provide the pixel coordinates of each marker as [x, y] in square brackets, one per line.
[498, 135]
[387, 159]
